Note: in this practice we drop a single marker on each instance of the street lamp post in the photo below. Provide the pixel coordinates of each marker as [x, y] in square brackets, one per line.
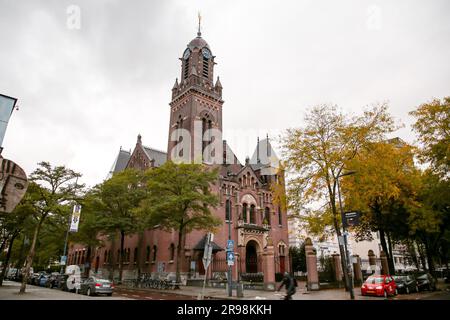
[230, 280]
[347, 256]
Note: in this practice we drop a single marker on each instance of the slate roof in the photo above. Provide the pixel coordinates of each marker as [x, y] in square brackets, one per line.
[160, 157]
[121, 161]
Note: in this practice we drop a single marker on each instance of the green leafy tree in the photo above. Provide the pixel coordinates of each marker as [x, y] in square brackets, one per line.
[48, 193]
[179, 198]
[12, 225]
[115, 201]
[298, 256]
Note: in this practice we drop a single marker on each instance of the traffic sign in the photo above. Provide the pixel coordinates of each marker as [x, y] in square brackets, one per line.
[230, 245]
[230, 258]
[351, 218]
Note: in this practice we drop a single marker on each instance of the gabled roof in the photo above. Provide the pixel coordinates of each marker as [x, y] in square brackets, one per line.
[264, 156]
[121, 161]
[201, 245]
[230, 154]
[159, 156]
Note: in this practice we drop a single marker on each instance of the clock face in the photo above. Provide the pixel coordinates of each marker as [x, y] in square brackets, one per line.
[186, 54]
[206, 53]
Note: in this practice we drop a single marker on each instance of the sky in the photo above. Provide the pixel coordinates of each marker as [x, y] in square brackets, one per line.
[92, 75]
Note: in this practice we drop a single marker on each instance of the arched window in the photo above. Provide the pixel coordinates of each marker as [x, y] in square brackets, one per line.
[280, 221]
[186, 69]
[135, 256]
[252, 214]
[267, 216]
[105, 259]
[172, 251]
[244, 212]
[147, 255]
[228, 215]
[205, 67]
[155, 249]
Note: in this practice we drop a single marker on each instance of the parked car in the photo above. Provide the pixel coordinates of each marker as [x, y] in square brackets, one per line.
[426, 282]
[42, 280]
[53, 280]
[406, 284]
[11, 273]
[379, 285]
[93, 285]
[33, 279]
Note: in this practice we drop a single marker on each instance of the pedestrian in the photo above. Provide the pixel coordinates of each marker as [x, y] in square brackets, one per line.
[289, 283]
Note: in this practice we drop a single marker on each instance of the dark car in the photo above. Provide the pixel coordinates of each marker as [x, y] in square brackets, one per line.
[93, 285]
[35, 278]
[53, 280]
[426, 282]
[406, 284]
[43, 279]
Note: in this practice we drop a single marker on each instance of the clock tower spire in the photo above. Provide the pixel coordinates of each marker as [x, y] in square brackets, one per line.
[196, 100]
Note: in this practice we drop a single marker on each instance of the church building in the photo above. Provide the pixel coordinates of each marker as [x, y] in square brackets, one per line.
[247, 206]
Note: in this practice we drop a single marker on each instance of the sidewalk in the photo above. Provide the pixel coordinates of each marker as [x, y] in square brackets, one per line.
[10, 291]
[302, 293]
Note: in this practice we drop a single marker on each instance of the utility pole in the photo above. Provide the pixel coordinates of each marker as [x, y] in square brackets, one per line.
[63, 266]
[230, 280]
[349, 278]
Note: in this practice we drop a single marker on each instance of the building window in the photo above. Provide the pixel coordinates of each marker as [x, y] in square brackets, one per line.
[228, 216]
[172, 251]
[135, 255]
[186, 69]
[267, 216]
[147, 255]
[280, 221]
[244, 212]
[281, 250]
[252, 214]
[205, 67]
[105, 259]
[155, 249]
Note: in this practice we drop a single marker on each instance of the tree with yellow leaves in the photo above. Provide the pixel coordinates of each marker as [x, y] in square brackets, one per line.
[318, 153]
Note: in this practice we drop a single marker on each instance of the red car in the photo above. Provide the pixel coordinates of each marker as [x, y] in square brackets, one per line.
[379, 285]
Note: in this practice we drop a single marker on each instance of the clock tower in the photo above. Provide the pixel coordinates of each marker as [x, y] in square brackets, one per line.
[196, 105]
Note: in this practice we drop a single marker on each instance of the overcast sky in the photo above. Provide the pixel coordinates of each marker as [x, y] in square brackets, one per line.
[84, 92]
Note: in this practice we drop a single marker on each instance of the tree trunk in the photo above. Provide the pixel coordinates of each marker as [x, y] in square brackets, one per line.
[341, 247]
[139, 254]
[429, 256]
[390, 255]
[122, 243]
[88, 261]
[113, 258]
[8, 256]
[29, 260]
[179, 247]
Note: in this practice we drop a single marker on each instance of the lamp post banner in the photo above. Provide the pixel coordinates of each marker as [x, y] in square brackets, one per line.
[13, 185]
[75, 218]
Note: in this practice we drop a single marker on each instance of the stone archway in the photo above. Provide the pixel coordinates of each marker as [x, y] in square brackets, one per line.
[251, 257]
